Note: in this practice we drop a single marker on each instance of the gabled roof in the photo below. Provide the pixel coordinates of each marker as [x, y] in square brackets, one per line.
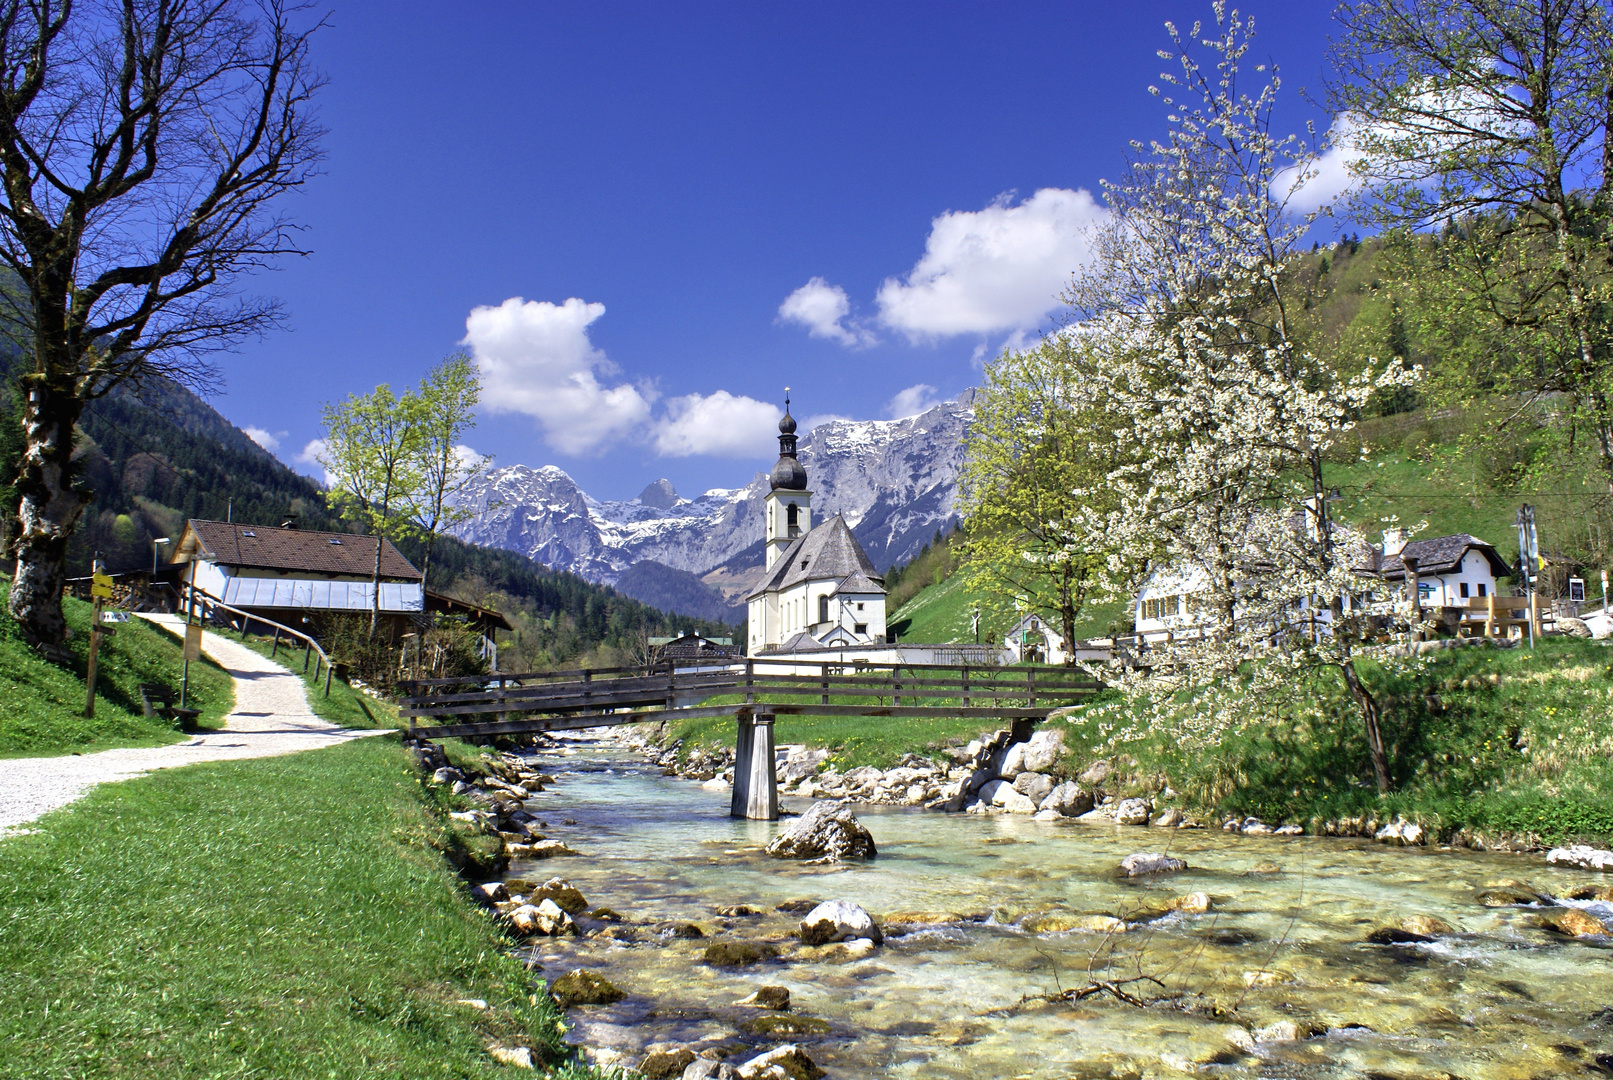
[1441, 555]
[827, 553]
[259, 547]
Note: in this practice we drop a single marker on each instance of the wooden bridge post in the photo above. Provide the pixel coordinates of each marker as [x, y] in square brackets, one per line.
[762, 804]
[745, 730]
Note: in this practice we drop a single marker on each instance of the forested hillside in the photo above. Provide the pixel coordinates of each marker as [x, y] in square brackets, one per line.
[154, 460]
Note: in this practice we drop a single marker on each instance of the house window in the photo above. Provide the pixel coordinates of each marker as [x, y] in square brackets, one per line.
[823, 609]
[860, 628]
[859, 605]
[1464, 590]
[1484, 589]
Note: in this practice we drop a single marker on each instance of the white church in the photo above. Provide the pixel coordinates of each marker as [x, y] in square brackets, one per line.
[821, 591]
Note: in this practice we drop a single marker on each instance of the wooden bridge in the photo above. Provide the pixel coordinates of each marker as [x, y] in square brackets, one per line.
[761, 689]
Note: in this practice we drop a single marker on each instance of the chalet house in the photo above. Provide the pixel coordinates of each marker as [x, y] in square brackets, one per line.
[821, 591]
[286, 574]
[1451, 570]
[1034, 640]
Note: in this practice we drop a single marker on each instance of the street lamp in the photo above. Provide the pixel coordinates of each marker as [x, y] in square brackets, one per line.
[159, 541]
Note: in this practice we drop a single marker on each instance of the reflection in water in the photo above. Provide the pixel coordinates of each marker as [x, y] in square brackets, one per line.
[1500, 998]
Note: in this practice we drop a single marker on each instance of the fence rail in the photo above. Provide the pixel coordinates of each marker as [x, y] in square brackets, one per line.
[209, 607]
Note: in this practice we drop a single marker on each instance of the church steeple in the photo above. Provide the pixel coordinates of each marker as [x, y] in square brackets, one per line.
[788, 473]
[789, 503]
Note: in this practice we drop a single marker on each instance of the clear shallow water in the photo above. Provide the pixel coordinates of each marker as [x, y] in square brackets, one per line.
[1500, 999]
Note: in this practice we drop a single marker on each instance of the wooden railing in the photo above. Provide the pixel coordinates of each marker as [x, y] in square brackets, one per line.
[209, 606]
[594, 697]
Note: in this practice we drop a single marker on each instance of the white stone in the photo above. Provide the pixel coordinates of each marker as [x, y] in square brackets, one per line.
[1131, 812]
[518, 1056]
[1581, 855]
[1400, 834]
[1150, 862]
[491, 891]
[446, 775]
[1042, 751]
[839, 920]
[1013, 762]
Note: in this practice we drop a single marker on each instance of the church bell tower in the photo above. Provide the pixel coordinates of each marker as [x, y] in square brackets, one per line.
[789, 503]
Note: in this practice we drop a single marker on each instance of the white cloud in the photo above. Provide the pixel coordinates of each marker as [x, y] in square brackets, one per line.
[310, 454]
[719, 424]
[1326, 178]
[535, 358]
[817, 420]
[822, 308]
[1000, 268]
[920, 398]
[269, 440]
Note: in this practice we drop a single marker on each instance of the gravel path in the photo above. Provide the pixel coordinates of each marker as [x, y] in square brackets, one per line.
[271, 717]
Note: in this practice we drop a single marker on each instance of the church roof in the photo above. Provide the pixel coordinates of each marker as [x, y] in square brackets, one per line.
[828, 552]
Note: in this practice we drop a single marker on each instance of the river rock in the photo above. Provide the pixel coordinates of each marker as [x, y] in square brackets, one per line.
[708, 1069]
[562, 892]
[1194, 903]
[1142, 863]
[825, 833]
[1574, 627]
[1095, 774]
[1058, 922]
[1070, 800]
[1282, 1031]
[786, 1062]
[1426, 925]
[664, 1064]
[1576, 923]
[1131, 812]
[546, 918]
[737, 953]
[1168, 818]
[1400, 834]
[1043, 749]
[519, 1057]
[1582, 856]
[1394, 935]
[447, 775]
[776, 998]
[490, 892]
[579, 987]
[548, 849]
[1034, 786]
[1010, 761]
[801, 763]
[839, 920]
[1001, 794]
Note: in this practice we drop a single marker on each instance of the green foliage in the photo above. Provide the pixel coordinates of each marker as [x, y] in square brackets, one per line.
[855, 740]
[934, 564]
[149, 934]
[1480, 739]
[44, 703]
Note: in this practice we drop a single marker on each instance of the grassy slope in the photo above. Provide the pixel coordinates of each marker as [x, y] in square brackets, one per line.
[44, 703]
[941, 613]
[312, 930]
[855, 740]
[1494, 741]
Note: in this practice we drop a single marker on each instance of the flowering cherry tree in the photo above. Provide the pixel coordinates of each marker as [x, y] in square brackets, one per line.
[1224, 420]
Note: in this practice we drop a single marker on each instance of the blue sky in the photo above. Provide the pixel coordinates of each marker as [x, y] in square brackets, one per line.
[646, 220]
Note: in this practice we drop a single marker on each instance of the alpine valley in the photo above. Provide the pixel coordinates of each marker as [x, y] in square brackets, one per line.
[894, 481]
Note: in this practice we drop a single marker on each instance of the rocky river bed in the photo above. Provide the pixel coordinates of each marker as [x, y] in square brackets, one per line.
[1311, 957]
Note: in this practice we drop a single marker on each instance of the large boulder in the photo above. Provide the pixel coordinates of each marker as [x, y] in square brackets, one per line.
[1033, 785]
[1011, 762]
[547, 919]
[1574, 628]
[1582, 856]
[581, 987]
[562, 892]
[1095, 774]
[825, 833]
[1043, 749]
[1001, 794]
[839, 920]
[1070, 800]
[801, 763]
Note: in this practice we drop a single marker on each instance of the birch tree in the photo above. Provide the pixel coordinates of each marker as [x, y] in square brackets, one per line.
[143, 146]
[445, 413]
[1225, 420]
[372, 454]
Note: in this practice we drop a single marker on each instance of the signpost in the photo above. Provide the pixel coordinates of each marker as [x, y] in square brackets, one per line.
[1528, 559]
[100, 589]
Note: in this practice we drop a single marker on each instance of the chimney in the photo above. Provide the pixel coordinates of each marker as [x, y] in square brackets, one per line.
[1393, 541]
[289, 523]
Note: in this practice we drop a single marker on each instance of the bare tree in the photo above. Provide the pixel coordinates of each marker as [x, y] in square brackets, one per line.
[143, 143]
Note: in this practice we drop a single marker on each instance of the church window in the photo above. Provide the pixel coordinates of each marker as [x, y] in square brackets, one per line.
[791, 520]
[860, 628]
[823, 609]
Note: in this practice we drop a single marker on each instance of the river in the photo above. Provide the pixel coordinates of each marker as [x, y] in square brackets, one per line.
[1500, 998]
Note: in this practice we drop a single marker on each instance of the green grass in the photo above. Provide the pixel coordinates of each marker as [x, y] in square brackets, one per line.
[345, 705]
[941, 614]
[854, 740]
[1513, 742]
[282, 917]
[44, 703]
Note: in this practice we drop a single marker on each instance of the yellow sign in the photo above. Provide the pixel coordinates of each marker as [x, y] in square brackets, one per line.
[101, 585]
[193, 642]
[101, 592]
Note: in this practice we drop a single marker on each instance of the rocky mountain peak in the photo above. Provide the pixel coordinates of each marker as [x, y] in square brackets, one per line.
[660, 494]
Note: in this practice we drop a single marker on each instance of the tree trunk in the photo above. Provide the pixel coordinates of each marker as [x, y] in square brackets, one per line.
[375, 587]
[48, 510]
[1369, 715]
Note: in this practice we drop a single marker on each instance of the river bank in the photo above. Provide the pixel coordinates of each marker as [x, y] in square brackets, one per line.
[1308, 956]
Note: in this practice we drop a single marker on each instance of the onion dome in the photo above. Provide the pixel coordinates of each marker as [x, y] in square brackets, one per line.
[788, 473]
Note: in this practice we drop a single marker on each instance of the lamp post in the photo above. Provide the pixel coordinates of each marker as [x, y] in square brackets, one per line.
[155, 544]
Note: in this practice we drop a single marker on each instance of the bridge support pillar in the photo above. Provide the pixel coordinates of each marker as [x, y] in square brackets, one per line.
[743, 737]
[762, 803]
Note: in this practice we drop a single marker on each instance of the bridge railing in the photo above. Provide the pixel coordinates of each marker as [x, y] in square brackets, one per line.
[758, 685]
[211, 609]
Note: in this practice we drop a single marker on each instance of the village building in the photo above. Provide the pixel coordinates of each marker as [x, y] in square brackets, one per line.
[821, 591]
[288, 574]
[1451, 570]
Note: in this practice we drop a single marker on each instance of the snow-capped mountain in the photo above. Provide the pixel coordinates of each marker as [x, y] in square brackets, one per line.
[894, 481]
